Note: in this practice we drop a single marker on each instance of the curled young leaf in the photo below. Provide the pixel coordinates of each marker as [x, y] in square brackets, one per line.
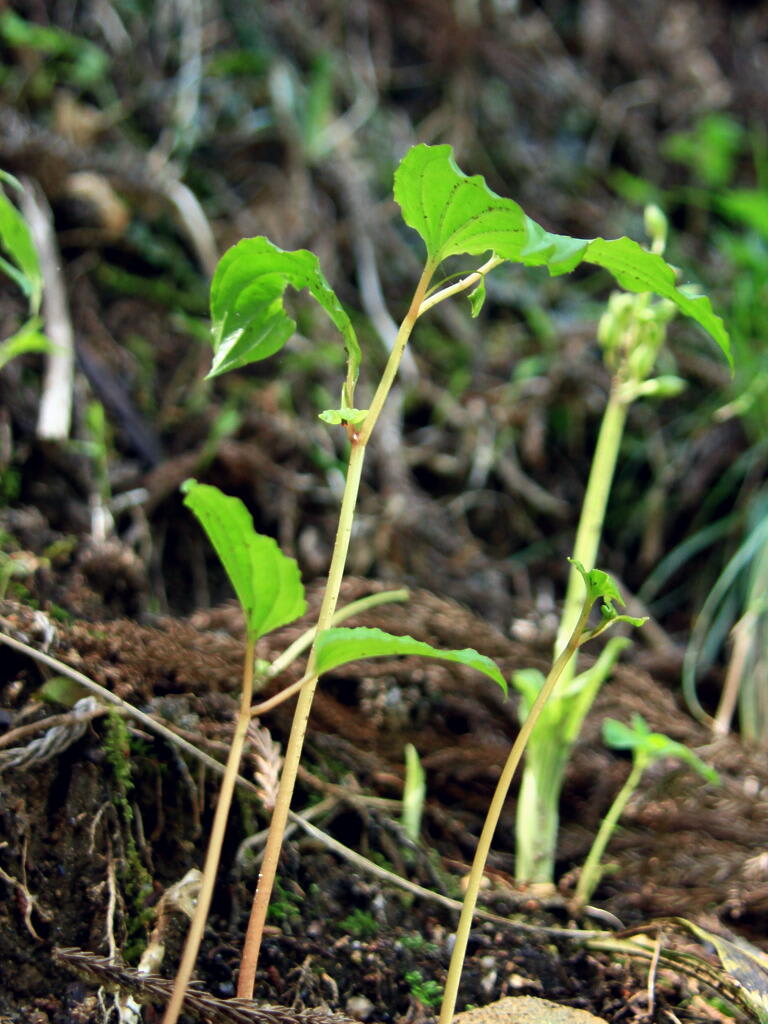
[337, 417]
[598, 583]
[247, 311]
[477, 297]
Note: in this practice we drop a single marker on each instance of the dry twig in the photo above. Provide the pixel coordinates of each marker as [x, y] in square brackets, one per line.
[204, 1007]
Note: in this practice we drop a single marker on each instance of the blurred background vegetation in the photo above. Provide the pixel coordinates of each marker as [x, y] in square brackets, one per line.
[161, 133]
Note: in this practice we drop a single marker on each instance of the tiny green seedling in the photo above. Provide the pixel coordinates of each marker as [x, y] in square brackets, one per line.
[647, 747]
[427, 992]
[455, 215]
[414, 793]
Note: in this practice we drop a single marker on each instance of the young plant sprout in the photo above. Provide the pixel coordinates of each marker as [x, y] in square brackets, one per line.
[598, 586]
[630, 333]
[647, 747]
[455, 215]
[414, 793]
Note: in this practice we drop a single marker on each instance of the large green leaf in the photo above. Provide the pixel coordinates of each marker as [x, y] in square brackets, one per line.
[249, 318]
[456, 214]
[15, 238]
[266, 581]
[638, 270]
[336, 647]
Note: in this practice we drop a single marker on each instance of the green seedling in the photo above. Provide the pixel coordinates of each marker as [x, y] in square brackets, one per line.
[270, 592]
[599, 589]
[414, 793]
[647, 747]
[631, 333]
[427, 992]
[455, 215]
[20, 263]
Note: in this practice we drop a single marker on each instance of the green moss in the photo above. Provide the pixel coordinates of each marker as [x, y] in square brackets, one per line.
[418, 944]
[134, 877]
[428, 992]
[55, 611]
[61, 550]
[10, 485]
[284, 904]
[360, 924]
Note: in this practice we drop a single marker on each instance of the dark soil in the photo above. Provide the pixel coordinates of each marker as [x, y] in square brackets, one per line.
[338, 935]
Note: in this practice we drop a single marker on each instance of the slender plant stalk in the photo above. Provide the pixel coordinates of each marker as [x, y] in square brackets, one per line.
[592, 517]
[258, 916]
[215, 842]
[252, 944]
[461, 286]
[537, 808]
[390, 370]
[326, 618]
[590, 873]
[494, 813]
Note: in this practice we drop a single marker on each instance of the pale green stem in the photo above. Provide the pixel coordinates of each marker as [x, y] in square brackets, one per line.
[215, 843]
[258, 917]
[538, 813]
[590, 873]
[494, 813]
[461, 286]
[537, 809]
[593, 511]
[393, 363]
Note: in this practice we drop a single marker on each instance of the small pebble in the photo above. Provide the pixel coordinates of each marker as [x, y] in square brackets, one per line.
[360, 1007]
